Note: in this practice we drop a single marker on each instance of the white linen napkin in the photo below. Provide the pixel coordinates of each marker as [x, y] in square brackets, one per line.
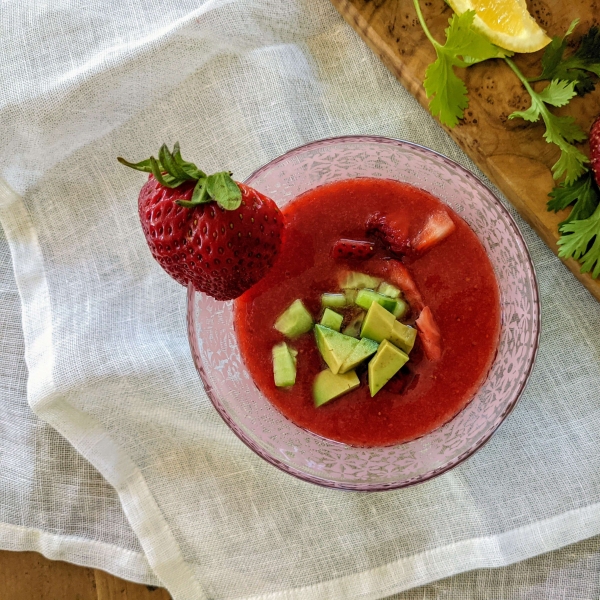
[238, 83]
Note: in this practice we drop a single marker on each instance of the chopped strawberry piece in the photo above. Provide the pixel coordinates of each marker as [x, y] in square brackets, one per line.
[595, 149]
[400, 276]
[394, 272]
[438, 227]
[353, 249]
[392, 230]
[430, 335]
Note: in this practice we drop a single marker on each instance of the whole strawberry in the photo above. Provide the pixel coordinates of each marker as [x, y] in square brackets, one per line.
[595, 149]
[218, 235]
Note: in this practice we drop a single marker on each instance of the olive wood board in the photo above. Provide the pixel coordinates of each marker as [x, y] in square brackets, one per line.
[512, 153]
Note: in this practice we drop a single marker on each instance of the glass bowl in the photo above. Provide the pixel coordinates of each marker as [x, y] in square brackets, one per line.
[333, 464]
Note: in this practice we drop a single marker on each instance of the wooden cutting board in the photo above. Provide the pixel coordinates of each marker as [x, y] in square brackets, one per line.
[513, 154]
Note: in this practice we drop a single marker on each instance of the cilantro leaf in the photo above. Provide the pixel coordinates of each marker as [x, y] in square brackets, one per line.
[576, 68]
[561, 131]
[581, 240]
[448, 90]
[464, 47]
[558, 93]
[554, 53]
[583, 192]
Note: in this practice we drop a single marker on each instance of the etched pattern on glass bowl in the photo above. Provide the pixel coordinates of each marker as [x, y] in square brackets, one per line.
[315, 459]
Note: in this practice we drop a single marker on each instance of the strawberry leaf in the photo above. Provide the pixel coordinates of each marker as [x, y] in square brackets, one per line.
[170, 165]
[224, 190]
[199, 195]
[190, 168]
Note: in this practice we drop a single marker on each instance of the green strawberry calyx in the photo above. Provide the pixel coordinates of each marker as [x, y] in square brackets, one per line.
[171, 171]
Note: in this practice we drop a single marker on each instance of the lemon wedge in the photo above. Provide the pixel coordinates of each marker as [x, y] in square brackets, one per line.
[507, 23]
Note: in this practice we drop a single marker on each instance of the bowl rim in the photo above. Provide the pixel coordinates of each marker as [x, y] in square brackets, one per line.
[377, 487]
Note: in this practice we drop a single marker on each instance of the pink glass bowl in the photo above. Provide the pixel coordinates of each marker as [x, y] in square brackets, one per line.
[333, 464]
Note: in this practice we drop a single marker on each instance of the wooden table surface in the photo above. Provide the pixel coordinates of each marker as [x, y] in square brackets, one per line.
[30, 576]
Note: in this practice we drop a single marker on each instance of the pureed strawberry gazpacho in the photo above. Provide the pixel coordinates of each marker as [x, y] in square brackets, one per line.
[380, 319]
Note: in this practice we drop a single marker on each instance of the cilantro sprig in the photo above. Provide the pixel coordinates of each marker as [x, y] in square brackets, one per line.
[464, 47]
[562, 131]
[567, 76]
[576, 68]
[582, 193]
[580, 231]
[581, 240]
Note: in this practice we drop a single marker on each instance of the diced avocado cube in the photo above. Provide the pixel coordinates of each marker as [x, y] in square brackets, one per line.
[332, 319]
[387, 289]
[294, 321]
[328, 385]
[378, 323]
[284, 365]
[353, 328]
[333, 346]
[365, 348]
[366, 297]
[357, 281]
[384, 365]
[400, 309]
[333, 300]
[403, 336]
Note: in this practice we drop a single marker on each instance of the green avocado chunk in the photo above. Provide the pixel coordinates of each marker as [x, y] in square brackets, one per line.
[284, 365]
[378, 324]
[328, 385]
[365, 348]
[333, 346]
[403, 336]
[384, 365]
[357, 281]
[332, 319]
[294, 321]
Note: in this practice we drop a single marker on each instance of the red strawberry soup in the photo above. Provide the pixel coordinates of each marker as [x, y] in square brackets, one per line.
[419, 246]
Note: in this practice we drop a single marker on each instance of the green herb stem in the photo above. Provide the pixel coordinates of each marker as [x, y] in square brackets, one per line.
[520, 75]
[423, 24]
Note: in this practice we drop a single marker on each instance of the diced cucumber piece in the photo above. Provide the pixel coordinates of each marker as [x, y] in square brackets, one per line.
[400, 309]
[365, 348]
[333, 300]
[353, 328]
[403, 336]
[357, 281]
[366, 297]
[387, 289]
[350, 295]
[328, 385]
[333, 346]
[284, 365]
[294, 321]
[332, 319]
[384, 365]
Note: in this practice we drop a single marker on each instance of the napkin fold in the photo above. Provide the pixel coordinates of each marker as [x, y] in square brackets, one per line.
[238, 83]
